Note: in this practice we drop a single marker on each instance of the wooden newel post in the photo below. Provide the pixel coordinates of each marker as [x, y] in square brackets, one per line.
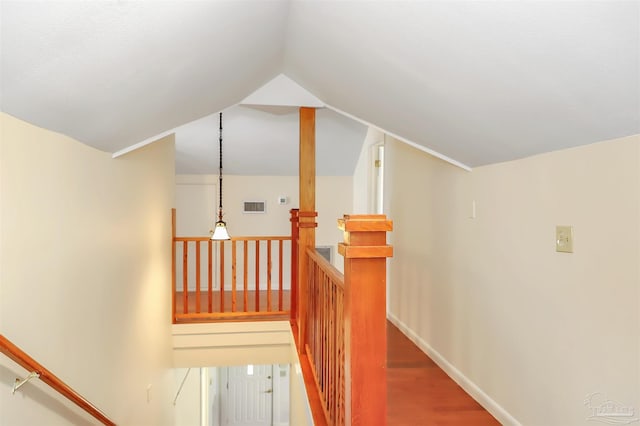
[365, 251]
[294, 264]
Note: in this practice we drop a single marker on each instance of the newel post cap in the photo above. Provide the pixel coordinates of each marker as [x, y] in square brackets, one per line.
[365, 236]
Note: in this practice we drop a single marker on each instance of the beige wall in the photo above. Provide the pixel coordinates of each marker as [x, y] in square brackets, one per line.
[333, 199]
[188, 407]
[85, 273]
[529, 331]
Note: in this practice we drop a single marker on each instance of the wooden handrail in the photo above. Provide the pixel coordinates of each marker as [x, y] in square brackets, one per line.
[25, 361]
[252, 238]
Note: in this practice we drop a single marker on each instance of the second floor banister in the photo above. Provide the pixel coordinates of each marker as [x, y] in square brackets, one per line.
[245, 277]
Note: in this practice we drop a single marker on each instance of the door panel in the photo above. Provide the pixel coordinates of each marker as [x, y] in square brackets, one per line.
[249, 399]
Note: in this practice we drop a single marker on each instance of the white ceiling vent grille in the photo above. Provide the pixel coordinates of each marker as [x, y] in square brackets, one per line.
[254, 207]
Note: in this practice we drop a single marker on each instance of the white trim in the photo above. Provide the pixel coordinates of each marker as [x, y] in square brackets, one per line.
[339, 111]
[401, 139]
[142, 144]
[471, 388]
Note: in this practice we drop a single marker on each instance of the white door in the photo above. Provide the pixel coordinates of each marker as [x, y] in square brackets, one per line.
[248, 400]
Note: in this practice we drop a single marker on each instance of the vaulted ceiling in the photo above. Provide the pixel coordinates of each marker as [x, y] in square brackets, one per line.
[478, 82]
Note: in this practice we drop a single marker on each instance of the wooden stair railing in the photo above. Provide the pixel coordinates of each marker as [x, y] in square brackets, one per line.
[325, 344]
[264, 298]
[346, 339]
[25, 361]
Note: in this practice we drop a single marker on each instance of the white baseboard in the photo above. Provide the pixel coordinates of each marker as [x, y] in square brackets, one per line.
[471, 388]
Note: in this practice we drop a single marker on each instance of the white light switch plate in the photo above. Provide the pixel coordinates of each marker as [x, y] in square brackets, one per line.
[564, 239]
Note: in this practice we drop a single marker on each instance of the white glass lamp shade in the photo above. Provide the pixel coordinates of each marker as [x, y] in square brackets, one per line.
[220, 232]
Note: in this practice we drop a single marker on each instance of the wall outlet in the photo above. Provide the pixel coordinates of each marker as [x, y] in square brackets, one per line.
[564, 239]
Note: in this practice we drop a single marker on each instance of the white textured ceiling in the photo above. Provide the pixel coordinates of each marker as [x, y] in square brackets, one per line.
[476, 81]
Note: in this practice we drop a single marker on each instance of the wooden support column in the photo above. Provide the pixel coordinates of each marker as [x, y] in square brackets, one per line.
[307, 213]
[365, 251]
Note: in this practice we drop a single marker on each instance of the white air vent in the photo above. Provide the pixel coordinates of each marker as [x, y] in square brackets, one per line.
[254, 207]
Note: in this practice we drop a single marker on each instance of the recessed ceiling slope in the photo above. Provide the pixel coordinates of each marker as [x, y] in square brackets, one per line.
[282, 91]
[263, 144]
[480, 82]
[112, 74]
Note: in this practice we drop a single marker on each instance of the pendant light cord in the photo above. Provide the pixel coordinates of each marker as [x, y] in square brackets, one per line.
[220, 173]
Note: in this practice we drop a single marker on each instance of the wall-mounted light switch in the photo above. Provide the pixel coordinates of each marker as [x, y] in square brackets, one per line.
[564, 239]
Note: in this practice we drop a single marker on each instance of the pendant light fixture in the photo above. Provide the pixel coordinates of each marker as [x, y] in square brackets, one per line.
[220, 230]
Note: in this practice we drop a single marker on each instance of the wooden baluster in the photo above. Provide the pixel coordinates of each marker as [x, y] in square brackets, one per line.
[339, 358]
[257, 276]
[294, 266]
[245, 275]
[318, 331]
[280, 275]
[268, 275]
[325, 332]
[185, 288]
[365, 251]
[312, 317]
[233, 276]
[316, 299]
[331, 345]
[221, 248]
[197, 277]
[210, 276]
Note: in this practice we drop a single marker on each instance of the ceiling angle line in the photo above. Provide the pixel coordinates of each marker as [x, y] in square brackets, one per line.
[401, 139]
[142, 144]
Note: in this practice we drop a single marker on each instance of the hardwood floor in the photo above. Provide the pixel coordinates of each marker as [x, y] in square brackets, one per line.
[419, 393]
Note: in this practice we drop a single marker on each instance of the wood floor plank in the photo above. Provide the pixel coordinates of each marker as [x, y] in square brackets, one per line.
[419, 393]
